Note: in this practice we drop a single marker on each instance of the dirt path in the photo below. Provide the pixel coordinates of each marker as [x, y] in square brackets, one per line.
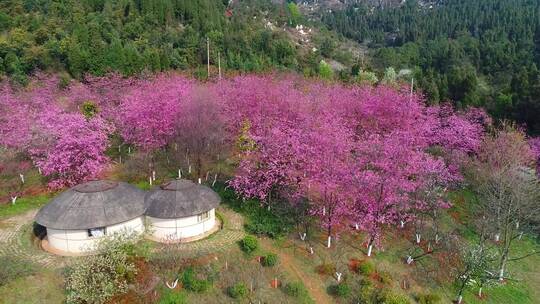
[311, 281]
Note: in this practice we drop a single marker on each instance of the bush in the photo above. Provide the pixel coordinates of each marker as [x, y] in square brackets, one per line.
[389, 297]
[327, 269]
[295, 289]
[385, 277]
[269, 260]
[340, 290]
[238, 291]
[95, 279]
[430, 298]
[12, 268]
[259, 221]
[249, 244]
[191, 283]
[367, 292]
[173, 297]
[366, 268]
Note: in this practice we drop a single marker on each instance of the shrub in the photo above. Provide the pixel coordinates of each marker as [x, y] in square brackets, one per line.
[95, 279]
[173, 297]
[238, 291]
[367, 292]
[191, 283]
[340, 290]
[249, 244]
[429, 298]
[327, 269]
[269, 260]
[295, 289]
[389, 297]
[385, 277]
[366, 268]
[12, 268]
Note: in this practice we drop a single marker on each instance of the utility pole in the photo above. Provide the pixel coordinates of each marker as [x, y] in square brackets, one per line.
[219, 65]
[208, 56]
[412, 86]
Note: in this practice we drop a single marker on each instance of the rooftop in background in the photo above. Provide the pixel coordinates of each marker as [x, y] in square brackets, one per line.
[180, 198]
[93, 204]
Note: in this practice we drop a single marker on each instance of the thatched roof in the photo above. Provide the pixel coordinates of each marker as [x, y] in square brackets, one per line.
[93, 204]
[180, 198]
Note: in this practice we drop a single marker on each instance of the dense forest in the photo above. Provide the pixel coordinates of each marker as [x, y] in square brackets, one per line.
[482, 52]
[131, 36]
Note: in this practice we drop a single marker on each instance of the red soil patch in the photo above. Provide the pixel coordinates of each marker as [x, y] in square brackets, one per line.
[354, 264]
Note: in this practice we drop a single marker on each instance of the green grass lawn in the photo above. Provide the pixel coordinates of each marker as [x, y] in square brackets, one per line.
[44, 287]
[24, 204]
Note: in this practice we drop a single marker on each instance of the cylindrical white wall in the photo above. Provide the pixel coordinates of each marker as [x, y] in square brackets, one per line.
[78, 241]
[182, 228]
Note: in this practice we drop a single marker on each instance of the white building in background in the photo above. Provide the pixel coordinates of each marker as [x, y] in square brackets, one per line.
[77, 219]
[181, 211]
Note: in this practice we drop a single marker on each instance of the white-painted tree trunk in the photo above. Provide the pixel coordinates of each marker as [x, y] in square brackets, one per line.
[303, 236]
[150, 180]
[429, 247]
[215, 179]
[480, 292]
[39, 170]
[436, 238]
[189, 169]
[460, 299]
[418, 238]
[356, 226]
[497, 237]
[501, 273]
[323, 210]
[129, 150]
[402, 223]
[409, 260]
[370, 248]
[173, 285]
[13, 200]
[179, 173]
[520, 235]
[22, 177]
[153, 175]
[200, 180]
[329, 242]
[338, 276]
[311, 250]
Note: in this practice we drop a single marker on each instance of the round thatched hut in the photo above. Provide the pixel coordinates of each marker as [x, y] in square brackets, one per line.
[181, 210]
[77, 218]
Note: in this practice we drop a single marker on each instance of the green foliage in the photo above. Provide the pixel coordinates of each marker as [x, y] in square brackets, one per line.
[295, 289]
[428, 298]
[340, 290]
[367, 292]
[269, 260]
[479, 53]
[385, 277]
[132, 37]
[24, 204]
[191, 283]
[89, 109]
[391, 297]
[295, 16]
[95, 279]
[260, 221]
[325, 70]
[237, 291]
[172, 297]
[249, 244]
[366, 268]
[12, 268]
